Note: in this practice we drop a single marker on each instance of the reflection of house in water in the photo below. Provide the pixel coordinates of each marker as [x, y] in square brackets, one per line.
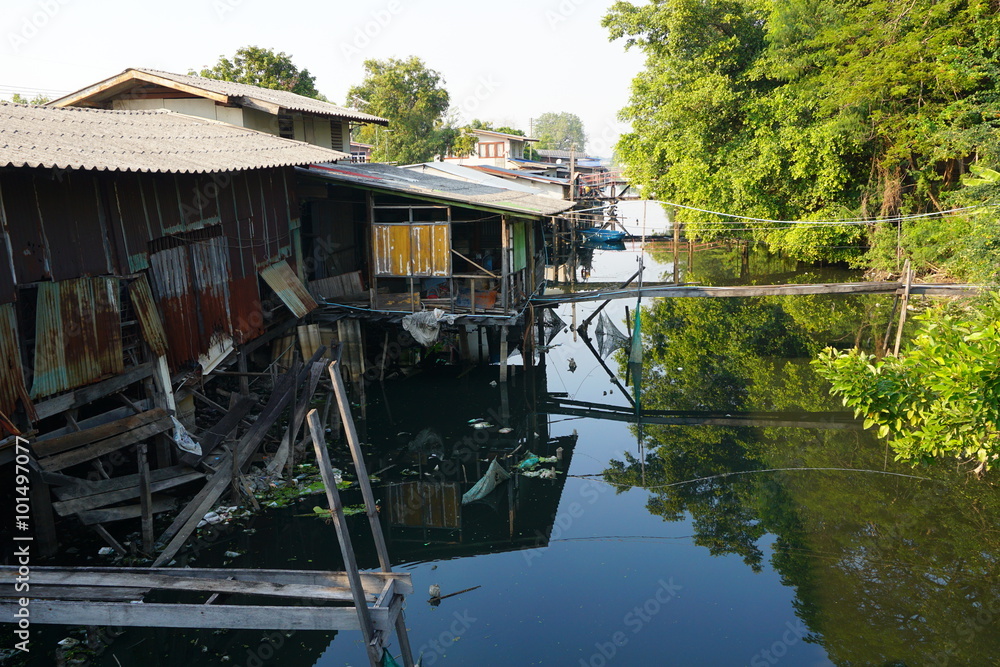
[441, 456]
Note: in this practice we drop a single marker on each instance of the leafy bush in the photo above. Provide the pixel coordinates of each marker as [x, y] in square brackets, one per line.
[940, 399]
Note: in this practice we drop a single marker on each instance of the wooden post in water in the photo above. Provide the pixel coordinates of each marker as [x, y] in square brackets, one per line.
[503, 353]
[366, 492]
[902, 311]
[344, 538]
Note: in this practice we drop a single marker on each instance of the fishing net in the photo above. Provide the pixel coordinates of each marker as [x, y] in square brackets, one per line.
[609, 338]
[552, 324]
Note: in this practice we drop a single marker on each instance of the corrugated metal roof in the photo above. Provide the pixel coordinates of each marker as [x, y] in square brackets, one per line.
[238, 93]
[77, 334]
[515, 173]
[280, 277]
[149, 318]
[505, 135]
[450, 170]
[388, 178]
[11, 372]
[149, 141]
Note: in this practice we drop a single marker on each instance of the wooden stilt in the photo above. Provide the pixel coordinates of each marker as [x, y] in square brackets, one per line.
[145, 500]
[369, 497]
[503, 353]
[344, 537]
[902, 310]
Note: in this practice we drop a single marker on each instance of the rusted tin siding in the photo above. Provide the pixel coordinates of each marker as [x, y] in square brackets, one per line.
[175, 294]
[191, 284]
[77, 334]
[149, 318]
[11, 372]
[280, 277]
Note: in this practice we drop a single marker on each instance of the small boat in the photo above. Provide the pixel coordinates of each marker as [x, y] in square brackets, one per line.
[598, 244]
[605, 235]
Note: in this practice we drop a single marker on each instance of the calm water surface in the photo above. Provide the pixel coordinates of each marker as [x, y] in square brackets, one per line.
[656, 544]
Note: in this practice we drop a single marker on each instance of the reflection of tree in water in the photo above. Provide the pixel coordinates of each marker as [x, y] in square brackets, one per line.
[886, 569]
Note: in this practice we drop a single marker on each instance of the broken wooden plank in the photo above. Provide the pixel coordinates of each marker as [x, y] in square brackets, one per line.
[287, 442]
[160, 615]
[145, 500]
[81, 593]
[98, 420]
[219, 431]
[90, 393]
[88, 436]
[187, 520]
[150, 581]
[97, 500]
[111, 514]
[85, 487]
[107, 537]
[90, 452]
[373, 582]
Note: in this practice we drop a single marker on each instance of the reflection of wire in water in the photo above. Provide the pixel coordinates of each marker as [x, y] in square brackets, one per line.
[595, 476]
[621, 538]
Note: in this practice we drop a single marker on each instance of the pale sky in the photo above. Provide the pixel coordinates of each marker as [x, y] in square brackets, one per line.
[505, 62]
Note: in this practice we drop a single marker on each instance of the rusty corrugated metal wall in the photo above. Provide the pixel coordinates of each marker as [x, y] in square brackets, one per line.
[11, 373]
[77, 334]
[149, 318]
[289, 288]
[61, 225]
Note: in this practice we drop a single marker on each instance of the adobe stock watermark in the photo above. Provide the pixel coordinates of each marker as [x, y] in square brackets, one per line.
[365, 33]
[793, 634]
[32, 23]
[434, 649]
[590, 492]
[485, 88]
[562, 12]
[634, 621]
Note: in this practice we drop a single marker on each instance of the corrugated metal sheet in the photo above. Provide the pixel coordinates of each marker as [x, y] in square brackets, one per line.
[280, 277]
[412, 249]
[11, 372]
[77, 334]
[147, 141]
[210, 267]
[149, 318]
[387, 178]
[191, 285]
[174, 290]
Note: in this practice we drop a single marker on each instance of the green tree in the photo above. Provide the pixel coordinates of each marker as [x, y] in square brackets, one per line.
[809, 110]
[262, 67]
[36, 100]
[941, 398]
[414, 101]
[562, 131]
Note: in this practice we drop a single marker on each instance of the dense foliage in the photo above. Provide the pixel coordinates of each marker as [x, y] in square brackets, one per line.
[262, 67]
[414, 101]
[562, 131]
[816, 110]
[941, 398]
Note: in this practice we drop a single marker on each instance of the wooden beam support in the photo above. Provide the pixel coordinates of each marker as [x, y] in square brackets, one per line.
[90, 452]
[90, 393]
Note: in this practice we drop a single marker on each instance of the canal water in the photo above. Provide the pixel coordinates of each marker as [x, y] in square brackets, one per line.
[712, 542]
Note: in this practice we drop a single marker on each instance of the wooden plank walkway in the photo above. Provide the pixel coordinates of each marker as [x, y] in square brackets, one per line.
[671, 290]
[844, 421]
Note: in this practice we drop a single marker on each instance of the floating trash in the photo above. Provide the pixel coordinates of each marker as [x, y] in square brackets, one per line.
[482, 425]
[505, 430]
